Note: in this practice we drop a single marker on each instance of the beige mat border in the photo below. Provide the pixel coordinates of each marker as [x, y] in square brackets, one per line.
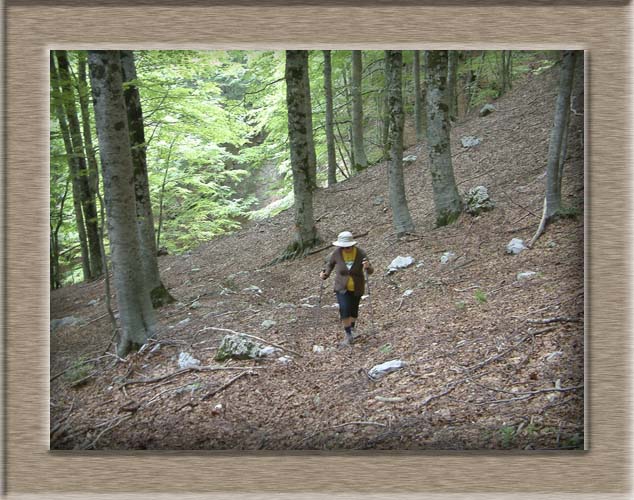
[31, 470]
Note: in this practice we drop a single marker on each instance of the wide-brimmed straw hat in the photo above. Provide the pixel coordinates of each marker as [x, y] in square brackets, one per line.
[344, 240]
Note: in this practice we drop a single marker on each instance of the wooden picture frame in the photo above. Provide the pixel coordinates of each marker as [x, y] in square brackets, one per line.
[32, 27]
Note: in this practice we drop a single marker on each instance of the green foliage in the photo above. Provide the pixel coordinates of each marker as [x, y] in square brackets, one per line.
[507, 436]
[480, 296]
[569, 213]
[461, 305]
[386, 348]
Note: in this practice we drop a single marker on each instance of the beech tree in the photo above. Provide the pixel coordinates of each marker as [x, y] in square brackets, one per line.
[452, 80]
[447, 201]
[56, 99]
[557, 145]
[297, 97]
[144, 217]
[330, 132]
[81, 175]
[398, 202]
[418, 102]
[360, 159]
[136, 314]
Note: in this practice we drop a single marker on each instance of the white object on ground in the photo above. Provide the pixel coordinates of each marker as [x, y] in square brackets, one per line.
[378, 371]
[186, 360]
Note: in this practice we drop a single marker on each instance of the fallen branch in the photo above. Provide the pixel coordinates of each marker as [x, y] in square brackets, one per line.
[559, 319]
[187, 370]
[224, 386]
[359, 423]
[256, 338]
[526, 395]
[109, 428]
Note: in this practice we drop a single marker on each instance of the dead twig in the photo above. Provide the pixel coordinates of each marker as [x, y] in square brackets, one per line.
[358, 423]
[256, 338]
[224, 386]
[525, 395]
[114, 423]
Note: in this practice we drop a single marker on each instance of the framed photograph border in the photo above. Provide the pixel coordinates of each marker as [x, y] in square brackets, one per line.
[33, 28]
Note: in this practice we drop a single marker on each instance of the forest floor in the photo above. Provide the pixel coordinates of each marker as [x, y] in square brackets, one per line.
[493, 361]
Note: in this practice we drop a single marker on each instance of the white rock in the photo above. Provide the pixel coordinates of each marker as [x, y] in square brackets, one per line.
[400, 263]
[407, 293]
[477, 200]
[253, 288]
[318, 349]
[268, 323]
[409, 159]
[447, 257]
[269, 350]
[487, 109]
[186, 360]
[67, 321]
[285, 305]
[308, 306]
[553, 356]
[515, 246]
[285, 360]
[378, 371]
[470, 141]
[526, 275]
[184, 322]
[93, 302]
[309, 298]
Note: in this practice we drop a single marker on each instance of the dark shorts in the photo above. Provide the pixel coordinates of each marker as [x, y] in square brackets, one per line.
[348, 305]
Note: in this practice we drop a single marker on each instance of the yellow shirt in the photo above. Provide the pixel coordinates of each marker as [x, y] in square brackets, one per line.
[349, 254]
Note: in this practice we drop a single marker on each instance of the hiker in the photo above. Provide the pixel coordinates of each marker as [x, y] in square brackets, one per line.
[349, 263]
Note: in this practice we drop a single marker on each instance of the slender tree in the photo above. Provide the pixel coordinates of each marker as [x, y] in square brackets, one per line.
[72, 167]
[360, 159]
[87, 196]
[418, 104]
[398, 202]
[133, 298]
[330, 132]
[556, 146]
[84, 103]
[447, 201]
[297, 95]
[312, 157]
[144, 218]
[452, 81]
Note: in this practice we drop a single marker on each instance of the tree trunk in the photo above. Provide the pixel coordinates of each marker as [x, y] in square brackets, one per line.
[348, 99]
[133, 298]
[418, 104]
[360, 160]
[87, 198]
[56, 279]
[297, 96]
[447, 201]
[144, 218]
[312, 157]
[398, 202]
[452, 74]
[330, 132]
[72, 167]
[84, 98]
[557, 135]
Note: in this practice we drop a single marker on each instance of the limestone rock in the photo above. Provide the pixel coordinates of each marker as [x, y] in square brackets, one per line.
[379, 371]
[400, 263]
[186, 360]
[487, 109]
[238, 347]
[470, 141]
[477, 200]
[515, 246]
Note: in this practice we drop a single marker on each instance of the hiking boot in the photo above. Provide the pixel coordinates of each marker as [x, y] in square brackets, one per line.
[347, 342]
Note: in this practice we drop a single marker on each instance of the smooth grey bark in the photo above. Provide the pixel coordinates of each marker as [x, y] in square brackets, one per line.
[418, 102]
[385, 112]
[398, 202]
[297, 96]
[360, 159]
[447, 201]
[87, 196]
[72, 167]
[144, 217]
[348, 98]
[312, 157]
[56, 279]
[557, 135]
[133, 298]
[84, 103]
[452, 72]
[330, 132]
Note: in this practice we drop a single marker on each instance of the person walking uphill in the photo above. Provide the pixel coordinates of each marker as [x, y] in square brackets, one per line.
[349, 263]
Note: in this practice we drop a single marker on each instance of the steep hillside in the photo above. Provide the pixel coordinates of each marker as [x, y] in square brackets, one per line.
[493, 360]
